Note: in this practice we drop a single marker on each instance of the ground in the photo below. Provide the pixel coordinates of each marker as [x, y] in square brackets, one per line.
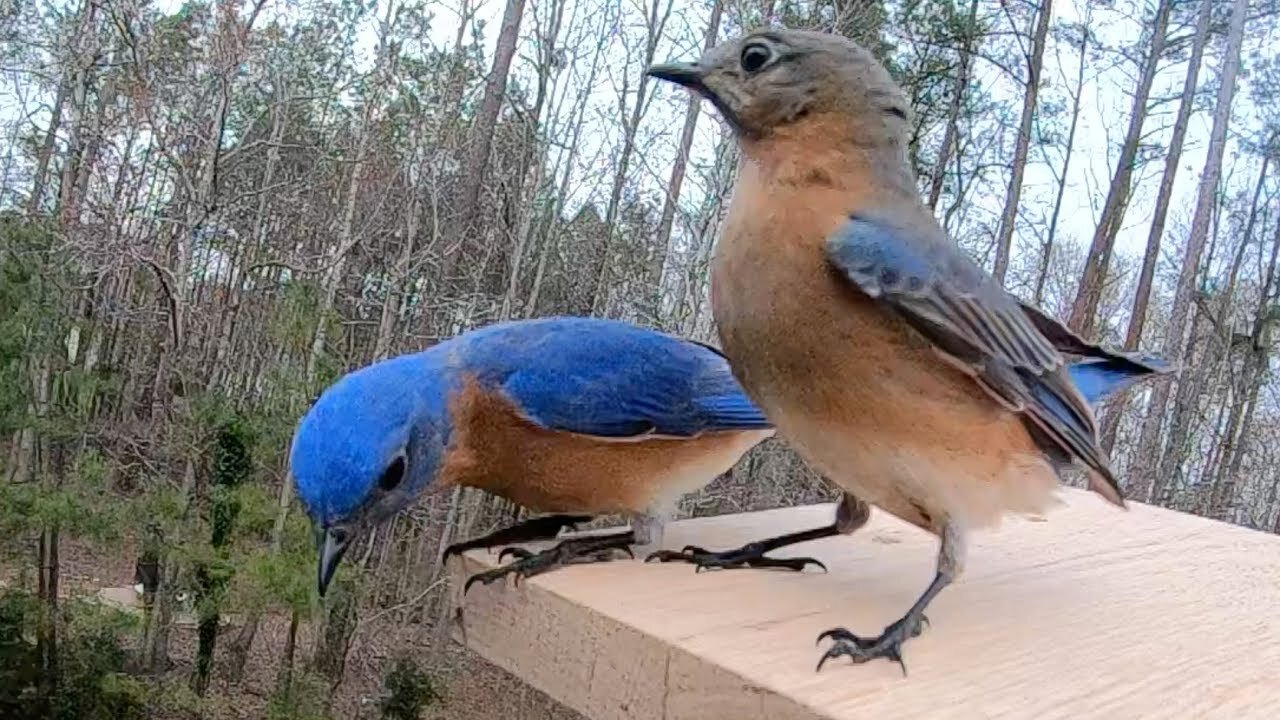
[473, 689]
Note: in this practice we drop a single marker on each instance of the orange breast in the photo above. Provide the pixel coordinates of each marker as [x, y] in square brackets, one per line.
[864, 398]
[494, 448]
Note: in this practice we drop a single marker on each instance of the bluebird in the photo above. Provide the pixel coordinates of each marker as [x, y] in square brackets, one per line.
[893, 363]
[573, 416]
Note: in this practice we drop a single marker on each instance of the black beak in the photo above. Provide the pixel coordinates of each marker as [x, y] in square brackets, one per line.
[332, 547]
[687, 74]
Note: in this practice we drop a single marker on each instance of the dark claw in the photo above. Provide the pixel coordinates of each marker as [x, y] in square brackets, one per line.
[538, 528]
[751, 555]
[518, 553]
[484, 577]
[573, 550]
[665, 556]
[859, 649]
[457, 549]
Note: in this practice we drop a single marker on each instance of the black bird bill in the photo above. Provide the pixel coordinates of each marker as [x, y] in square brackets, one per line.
[333, 545]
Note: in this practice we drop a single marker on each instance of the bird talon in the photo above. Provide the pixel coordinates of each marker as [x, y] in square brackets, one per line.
[750, 555]
[837, 634]
[518, 553]
[664, 556]
[483, 577]
[860, 650]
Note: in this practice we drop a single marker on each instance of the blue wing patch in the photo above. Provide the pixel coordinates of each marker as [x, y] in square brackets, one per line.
[609, 379]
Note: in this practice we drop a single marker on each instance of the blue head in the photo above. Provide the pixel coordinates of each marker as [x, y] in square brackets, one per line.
[366, 449]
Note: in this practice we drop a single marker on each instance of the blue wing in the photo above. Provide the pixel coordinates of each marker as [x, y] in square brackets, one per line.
[1013, 351]
[609, 379]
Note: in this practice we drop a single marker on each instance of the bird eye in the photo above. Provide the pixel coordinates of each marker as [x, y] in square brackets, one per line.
[393, 475]
[755, 56]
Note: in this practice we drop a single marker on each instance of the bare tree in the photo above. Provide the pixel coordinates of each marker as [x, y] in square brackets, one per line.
[1046, 250]
[961, 84]
[1085, 308]
[1179, 319]
[1138, 317]
[655, 22]
[672, 195]
[495, 90]
[1008, 218]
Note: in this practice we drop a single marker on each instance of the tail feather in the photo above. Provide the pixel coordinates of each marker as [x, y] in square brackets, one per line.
[1099, 379]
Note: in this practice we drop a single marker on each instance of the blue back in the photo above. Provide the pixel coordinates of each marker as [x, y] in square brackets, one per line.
[607, 378]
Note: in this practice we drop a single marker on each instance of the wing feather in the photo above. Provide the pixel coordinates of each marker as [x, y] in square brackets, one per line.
[1012, 351]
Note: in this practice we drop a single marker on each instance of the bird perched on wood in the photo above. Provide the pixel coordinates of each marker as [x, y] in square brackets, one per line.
[565, 415]
[890, 360]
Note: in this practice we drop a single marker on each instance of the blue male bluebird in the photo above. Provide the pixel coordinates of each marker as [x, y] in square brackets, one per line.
[890, 360]
[578, 416]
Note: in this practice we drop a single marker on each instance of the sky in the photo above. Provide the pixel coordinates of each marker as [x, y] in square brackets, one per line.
[1106, 106]
[1101, 127]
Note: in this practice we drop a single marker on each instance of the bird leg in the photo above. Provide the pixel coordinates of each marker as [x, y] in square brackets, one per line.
[749, 555]
[851, 514]
[545, 527]
[587, 549]
[889, 644]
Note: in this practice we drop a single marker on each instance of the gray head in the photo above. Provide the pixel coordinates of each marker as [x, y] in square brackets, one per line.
[772, 78]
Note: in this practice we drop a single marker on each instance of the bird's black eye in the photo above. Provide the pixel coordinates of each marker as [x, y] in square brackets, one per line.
[393, 475]
[755, 56]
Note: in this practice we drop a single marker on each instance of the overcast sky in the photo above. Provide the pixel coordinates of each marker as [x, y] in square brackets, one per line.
[1102, 122]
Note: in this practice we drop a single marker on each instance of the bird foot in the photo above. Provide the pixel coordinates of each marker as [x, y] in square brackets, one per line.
[750, 555]
[569, 552]
[859, 649]
[538, 528]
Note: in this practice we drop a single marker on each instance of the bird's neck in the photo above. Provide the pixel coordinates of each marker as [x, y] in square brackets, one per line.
[830, 151]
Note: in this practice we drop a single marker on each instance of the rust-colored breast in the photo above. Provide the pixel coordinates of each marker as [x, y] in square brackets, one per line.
[495, 448]
[864, 398]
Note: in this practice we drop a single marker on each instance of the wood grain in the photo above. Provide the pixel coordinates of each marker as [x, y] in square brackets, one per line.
[1088, 611]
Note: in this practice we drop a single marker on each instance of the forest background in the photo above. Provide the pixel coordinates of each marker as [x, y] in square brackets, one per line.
[210, 210]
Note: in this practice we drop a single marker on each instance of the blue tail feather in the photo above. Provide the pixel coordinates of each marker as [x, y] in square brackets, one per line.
[1101, 378]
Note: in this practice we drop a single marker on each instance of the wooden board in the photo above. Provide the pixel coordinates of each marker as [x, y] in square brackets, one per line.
[1086, 612]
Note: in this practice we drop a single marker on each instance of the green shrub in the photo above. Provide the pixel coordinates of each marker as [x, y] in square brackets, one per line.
[407, 691]
[302, 698]
[91, 682]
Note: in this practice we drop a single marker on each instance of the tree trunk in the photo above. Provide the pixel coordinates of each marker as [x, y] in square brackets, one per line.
[1085, 308]
[47, 590]
[551, 241]
[495, 90]
[1046, 251]
[533, 177]
[330, 658]
[672, 197]
[655, 25]
[45, 154]
[1138, 317]
[1004, 237]
[1142, 297]
[953, 111]
[1175, 342]
[285, 678]
[1256, 362]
